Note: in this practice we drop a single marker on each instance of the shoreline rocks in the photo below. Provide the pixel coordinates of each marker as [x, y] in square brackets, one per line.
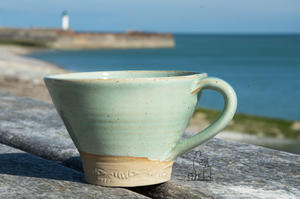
[22, 75]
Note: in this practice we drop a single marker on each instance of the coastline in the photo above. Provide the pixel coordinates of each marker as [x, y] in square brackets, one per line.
[23, 76]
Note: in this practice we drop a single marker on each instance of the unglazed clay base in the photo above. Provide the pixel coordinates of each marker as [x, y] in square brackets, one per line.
[118, 171]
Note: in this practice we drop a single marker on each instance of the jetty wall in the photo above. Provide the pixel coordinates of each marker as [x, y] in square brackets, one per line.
[60, 39]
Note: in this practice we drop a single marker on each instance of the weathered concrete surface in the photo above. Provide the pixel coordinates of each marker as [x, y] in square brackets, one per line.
[238, 170]
[35, 127]
[23, 175]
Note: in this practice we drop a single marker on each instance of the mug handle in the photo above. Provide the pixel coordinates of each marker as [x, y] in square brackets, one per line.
[218, 125]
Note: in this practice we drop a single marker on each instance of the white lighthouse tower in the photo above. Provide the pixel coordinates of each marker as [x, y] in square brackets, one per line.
[65, 20]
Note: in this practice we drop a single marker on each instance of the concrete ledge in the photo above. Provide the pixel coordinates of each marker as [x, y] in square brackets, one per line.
[23, 175]
[35, 127]
[238, 170]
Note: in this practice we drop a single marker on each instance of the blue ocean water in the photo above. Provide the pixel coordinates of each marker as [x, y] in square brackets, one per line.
[263, 69]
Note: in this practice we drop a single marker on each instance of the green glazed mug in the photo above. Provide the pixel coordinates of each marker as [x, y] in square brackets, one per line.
[127, 125]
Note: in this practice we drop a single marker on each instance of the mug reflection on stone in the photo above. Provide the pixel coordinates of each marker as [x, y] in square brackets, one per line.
[201, 168]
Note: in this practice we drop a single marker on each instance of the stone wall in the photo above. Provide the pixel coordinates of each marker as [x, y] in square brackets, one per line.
[60, 39]
[35, 36]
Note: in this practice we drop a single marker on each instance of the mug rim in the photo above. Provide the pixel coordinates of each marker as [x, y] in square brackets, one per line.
[83, 76]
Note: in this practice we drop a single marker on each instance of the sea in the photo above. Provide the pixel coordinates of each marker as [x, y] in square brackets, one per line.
[264, 70]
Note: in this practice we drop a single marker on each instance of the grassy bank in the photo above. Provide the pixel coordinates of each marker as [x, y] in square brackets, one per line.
[24, 43]
[256, 125]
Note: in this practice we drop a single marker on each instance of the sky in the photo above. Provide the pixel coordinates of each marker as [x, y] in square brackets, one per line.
[176, 16]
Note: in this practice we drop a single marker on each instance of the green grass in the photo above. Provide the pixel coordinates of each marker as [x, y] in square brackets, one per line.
[23, 43]
[257, 125]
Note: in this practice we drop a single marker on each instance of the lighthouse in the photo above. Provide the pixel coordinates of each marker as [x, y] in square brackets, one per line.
[65, 21]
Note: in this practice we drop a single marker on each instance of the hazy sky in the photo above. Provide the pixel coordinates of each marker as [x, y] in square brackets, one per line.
[197, 16]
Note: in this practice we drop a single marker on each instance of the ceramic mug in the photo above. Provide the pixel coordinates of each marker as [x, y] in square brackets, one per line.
[127, 125]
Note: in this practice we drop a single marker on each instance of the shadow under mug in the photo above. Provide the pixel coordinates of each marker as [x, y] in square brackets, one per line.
[127, 125]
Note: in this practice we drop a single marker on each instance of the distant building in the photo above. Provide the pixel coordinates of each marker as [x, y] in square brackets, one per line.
[65, 20]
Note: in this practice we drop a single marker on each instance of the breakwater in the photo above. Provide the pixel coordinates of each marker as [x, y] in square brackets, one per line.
[61, 39]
